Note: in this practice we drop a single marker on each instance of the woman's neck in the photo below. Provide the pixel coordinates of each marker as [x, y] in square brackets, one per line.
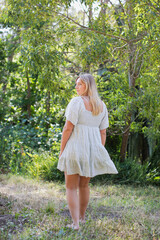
[86, 96]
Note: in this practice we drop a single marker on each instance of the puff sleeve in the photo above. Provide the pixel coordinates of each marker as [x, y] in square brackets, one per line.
[104, 122]
[72, 111]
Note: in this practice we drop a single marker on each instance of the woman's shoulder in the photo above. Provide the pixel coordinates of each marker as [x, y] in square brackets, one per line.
[75, 100]
[103, 103]
[104, 106]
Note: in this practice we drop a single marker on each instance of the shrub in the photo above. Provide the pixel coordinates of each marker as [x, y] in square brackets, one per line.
[24, 138]
[43, 164]
[129, 172]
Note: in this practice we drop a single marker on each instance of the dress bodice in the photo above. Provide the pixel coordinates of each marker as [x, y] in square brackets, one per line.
[78, 114]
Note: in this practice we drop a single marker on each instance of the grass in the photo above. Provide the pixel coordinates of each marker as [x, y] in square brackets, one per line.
[37, 210]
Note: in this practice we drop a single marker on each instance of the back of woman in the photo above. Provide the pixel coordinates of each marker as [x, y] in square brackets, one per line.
[77, 109]
[83, 154]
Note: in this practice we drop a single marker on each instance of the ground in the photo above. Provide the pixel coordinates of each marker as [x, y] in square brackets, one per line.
[33, 209]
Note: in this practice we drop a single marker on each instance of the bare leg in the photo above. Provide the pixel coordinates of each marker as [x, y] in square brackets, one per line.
[83, 196]
[72, 182]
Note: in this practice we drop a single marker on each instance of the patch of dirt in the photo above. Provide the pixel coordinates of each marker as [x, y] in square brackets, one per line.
[98, 213]
[65, 213]
[9, 222]
[104, 211]
[5, 205]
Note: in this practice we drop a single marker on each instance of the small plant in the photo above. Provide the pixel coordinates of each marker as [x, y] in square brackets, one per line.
[50, 208]
[43, 165]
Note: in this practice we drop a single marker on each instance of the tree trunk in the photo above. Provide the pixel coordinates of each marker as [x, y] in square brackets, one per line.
[90, 14]
[125, 137]
[84, 15]
[48, 98]
[48, 103]
[131, 79]
[28, 95]
[103, 7]
[102, 13]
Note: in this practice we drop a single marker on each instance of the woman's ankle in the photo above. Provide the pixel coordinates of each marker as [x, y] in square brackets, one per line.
[81, 216]
[82, 219]
[72, 226]
[76, 224]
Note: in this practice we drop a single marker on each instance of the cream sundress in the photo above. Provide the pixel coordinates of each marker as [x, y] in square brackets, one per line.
[84, 153]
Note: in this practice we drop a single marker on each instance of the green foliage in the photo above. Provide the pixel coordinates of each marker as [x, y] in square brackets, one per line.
[46, 47]
[114, 91]
[129, 172]
[50, 208]
[22, 139]
[155, 159]
[153, 175]
[43, 165]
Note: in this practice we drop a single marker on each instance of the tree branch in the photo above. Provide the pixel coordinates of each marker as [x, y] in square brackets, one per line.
[99, 32]
[122, 7]
[149, 48]
[115, 11]
[90, 29]
[119, 47]
[135, 63]
[156, 8]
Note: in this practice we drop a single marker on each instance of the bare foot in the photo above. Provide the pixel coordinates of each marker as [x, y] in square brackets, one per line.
[82, 220]
[72, 226]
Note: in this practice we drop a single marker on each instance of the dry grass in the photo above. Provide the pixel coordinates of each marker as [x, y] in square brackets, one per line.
[38, 210]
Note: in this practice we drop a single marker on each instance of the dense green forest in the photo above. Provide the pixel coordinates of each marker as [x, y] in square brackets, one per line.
[44, 46]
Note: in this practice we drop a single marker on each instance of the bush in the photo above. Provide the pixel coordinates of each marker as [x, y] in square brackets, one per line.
[26, 149]
[43, 164]
[153, 170]
[153, 176]
[129, 172]
[24, 138]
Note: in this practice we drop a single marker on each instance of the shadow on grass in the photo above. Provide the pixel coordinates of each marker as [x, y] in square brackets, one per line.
[98, 213]
[10, 223]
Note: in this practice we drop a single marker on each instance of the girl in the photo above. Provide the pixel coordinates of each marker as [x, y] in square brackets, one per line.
[82, 153]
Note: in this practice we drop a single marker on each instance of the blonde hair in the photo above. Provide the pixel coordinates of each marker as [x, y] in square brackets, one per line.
[91, 91]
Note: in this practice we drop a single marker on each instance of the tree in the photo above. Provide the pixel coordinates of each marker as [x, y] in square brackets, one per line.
[56, 42]
[132, 33]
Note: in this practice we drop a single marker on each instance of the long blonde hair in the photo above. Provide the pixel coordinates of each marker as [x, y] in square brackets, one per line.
[91, 91]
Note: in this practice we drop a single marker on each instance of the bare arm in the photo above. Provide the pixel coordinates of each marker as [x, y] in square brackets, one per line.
[67, 130]
[103, 136]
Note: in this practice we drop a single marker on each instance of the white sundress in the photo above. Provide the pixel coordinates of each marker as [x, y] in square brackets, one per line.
[84, 153]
